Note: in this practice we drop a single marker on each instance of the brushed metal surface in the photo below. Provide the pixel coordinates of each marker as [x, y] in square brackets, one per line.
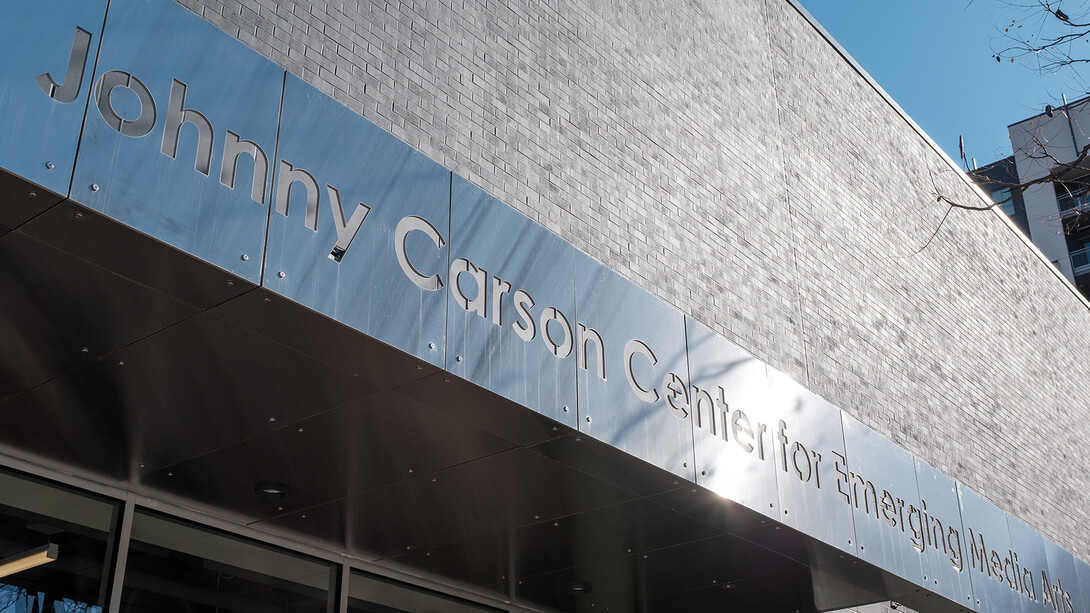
[61, 312]
[175, 193]
[49, 51]
[808, 437]
[499, 331]
[21, 200]
[1029, 547]
[100, 241]
[365, 167]
[732, 426]
[629, 319]
[878, 482]
[984, 520]
[498, 493]
[943, 575]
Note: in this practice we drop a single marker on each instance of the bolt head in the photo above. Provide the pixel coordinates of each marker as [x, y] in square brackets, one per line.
[245, 257]
[94, 187]
[281, 274]
[49, 166]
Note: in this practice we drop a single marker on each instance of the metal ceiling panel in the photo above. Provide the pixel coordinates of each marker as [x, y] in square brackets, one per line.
[21, 200]
[732, 427]
[599, 535]
[99, 240]
[511, 305]
[660, 579]
[358, 217]
[198, 386]
[947, 562]
[494, 494]
[601, 461]
[987, 543]
[363, 445]
[483, 409]
[633, 393]
[173, 141]
[58, 312]
[809, 441]
[322, 339]
[49, 51]
[878, 482]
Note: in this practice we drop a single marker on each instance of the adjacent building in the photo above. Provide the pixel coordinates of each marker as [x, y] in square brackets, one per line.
[1052, 213]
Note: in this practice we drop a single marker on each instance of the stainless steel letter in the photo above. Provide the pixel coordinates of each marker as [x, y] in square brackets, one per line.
[525, 327]
[587, 335]
[234, 147]
[290, 175]
[562, 350]
[478, 304]
[633, 347]
[73, 77]
[177, 115]
[143, 124]
[499, 288]
[401, 232]
[346, 231]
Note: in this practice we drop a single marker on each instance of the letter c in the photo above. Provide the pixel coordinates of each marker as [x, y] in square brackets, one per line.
[401, 232]
[633, 347]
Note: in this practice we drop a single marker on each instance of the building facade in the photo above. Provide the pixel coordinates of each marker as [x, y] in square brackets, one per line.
[519, 306]
[1052, 213]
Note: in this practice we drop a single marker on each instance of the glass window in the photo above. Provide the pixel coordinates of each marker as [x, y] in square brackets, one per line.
[54, 545]
[1002, 197]
[1071, 194]
[370, 594]
[178, 567]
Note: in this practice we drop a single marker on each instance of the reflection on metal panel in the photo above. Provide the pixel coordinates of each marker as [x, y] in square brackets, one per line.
[987, 549]
[49, 52]
[177, 145]
[732, 428]
[640, 405]
[1028, 566]
[878, 481]
[511, 305]
[1062, 580]
[359, 226]
[1082, 572]
[809, 443]
[947, 564]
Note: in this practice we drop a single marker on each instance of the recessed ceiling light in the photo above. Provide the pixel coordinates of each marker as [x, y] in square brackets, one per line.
[272, 491]
[578, 587]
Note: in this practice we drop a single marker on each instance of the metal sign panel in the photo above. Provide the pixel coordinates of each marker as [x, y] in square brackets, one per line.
[942, 537]
[1062, 581]
[178, 144]
[511, 305]
[1082, 572]
[359, 226]
[732, 428]
[1044, 588]
[49, 51]
[809, 444]
[987, 551]
[634, 381]
[878, 482]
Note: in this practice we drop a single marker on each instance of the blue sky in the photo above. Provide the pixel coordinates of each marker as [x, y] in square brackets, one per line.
[935, 58]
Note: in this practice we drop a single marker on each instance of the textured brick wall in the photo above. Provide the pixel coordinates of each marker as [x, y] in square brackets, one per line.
[726, 158]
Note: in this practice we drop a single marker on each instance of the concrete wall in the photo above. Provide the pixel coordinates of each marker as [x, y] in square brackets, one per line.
[724, 156]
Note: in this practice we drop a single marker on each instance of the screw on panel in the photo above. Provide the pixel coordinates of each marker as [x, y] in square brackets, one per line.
[49, 165]
[94, 187]
[588, 419]
[281, 274]
[566, 409]
[458, 358]
[245, 257]
[33, 194]
[431, 345]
